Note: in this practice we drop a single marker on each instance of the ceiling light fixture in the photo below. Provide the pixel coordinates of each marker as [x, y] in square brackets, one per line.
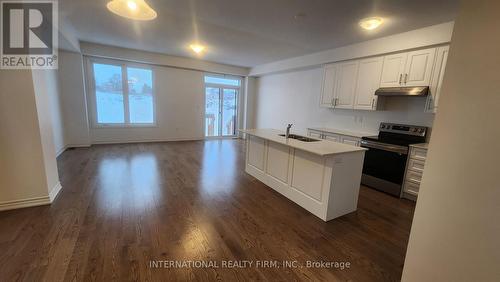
[132, 5]
[197, 48]
[132, 9]
[371, 23]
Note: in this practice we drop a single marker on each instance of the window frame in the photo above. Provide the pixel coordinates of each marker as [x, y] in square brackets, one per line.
[126, 111]
[221, 89]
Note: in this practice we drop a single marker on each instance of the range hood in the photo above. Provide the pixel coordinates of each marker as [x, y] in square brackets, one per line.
[403, 91]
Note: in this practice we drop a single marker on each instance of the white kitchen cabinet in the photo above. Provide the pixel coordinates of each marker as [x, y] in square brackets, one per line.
[414, 170]
[368, 81]
[418, 154]
[418, 67]
[315, 134]
[346, 85]
[332, 137]
[329, 85]
[352, 84]
[437, 78]
[278, 160]
[256, 153]
[323, 180]
[350, 140]
[393, 69]
[335, 137]
[408, 69]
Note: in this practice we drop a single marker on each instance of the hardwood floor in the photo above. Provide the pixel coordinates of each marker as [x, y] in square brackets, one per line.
[124, 205]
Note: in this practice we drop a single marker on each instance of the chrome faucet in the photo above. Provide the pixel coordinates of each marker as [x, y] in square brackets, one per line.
[288, 130]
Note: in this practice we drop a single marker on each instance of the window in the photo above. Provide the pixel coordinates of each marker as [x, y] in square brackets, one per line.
[123, 94]
[221, 104]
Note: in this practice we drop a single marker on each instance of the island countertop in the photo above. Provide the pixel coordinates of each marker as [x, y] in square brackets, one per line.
[321, 147]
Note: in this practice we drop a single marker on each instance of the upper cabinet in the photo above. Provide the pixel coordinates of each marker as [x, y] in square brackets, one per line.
[346, 85]
[392, 72]
[329, 84]
[352, 84]
[408, 69]
[368, 81]
[418, 68]
[437, 78]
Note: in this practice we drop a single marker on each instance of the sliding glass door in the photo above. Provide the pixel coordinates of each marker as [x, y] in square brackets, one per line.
[220, 112]
[221, 104]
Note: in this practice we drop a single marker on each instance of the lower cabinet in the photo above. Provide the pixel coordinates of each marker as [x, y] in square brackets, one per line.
[351, 140]
[315, 134]
[331, 137]
[413, 173]
[336, 137]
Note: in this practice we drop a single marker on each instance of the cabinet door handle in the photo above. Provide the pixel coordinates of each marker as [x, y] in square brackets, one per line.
[400, 77]
[406, 77]
[333, 102]
[373, 102]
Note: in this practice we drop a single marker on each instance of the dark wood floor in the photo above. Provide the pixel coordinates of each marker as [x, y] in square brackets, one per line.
[124, 205]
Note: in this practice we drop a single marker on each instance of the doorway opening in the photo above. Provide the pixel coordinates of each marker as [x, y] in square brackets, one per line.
[221, 105]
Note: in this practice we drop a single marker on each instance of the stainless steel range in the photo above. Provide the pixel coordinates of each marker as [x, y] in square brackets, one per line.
[385, 160]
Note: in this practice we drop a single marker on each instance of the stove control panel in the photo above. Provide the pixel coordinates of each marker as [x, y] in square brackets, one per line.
[403, 129]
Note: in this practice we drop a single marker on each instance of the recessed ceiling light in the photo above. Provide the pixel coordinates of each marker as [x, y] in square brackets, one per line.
[197, 48]
[371, 23]
[299, 16]
[132, 9]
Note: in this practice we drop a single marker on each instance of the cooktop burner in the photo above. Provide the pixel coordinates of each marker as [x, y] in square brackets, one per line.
[399, 134]
[393, 141]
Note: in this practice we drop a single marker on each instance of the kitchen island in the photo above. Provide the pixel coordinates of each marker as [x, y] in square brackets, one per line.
[321, 176]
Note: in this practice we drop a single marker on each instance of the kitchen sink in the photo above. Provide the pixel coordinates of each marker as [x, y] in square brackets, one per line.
[300, 138]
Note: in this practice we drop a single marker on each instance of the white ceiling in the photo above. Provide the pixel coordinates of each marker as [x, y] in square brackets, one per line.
[251, 32]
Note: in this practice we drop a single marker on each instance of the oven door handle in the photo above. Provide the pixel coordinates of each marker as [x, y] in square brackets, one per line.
[386, 147]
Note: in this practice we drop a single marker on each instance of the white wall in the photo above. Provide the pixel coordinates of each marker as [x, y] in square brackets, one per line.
[28, 171]
[49, 82]
[45, 87]
[73, 101]
[455, 234]
[179, 97]
[293, 97]
[250, 91]
[21, 158]
[159, 59]
[179, 92]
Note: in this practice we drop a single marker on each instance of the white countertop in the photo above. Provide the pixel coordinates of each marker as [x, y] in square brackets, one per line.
[343, 132]
[420, 145]
[321, 147]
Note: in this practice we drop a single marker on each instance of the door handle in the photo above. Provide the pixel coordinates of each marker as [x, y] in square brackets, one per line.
[406, 77]
[400, 77]
[373, 102]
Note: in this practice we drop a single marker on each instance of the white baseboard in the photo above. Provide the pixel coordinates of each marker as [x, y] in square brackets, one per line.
[145, 141]
[66, 147]
[78, 145]
[32, 202]
[61, 151]
[55, 191]
[24, 203]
